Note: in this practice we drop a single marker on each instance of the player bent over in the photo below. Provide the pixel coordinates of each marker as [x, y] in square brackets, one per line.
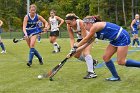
[119, 40]
[76, 25]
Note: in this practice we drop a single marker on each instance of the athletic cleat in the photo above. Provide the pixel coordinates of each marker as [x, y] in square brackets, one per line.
[95, 62]
[113, 79]
[59, 49]
[133, 46]
[138, 46]
[3, 51]
[40, 61]
[90, 75]
[54, 51]
[29, 64]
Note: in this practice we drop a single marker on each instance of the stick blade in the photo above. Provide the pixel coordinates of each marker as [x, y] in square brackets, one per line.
[51, 73]
[14, 40]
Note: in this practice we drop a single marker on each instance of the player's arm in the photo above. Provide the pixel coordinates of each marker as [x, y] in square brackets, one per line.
[24, 25]
[44, 22]
[83, 29]
[61, 21]
[95, 28]
[71, 35]
[49, 23]
[132, 23]
[1, 23]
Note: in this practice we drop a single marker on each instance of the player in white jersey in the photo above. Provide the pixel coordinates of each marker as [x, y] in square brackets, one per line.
[76, 25]
[55, 25]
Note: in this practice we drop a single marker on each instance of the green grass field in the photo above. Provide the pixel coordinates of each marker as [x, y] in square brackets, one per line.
[16, 77]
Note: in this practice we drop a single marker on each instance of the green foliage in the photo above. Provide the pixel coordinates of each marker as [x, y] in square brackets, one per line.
[17, 22]
[105, 8]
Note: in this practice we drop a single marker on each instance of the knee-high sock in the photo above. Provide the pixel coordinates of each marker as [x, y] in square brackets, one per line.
[112, 68]
[37, 54]
[31, 55]
[89, 62]
[133, 42]
[55, 46]
[2, 46]
[137, 40]
[132, 63]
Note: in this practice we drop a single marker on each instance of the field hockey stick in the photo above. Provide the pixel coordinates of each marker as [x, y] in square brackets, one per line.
[51, 73]
[18, 40]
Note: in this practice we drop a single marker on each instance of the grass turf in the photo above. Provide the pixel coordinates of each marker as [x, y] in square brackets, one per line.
[16, 77]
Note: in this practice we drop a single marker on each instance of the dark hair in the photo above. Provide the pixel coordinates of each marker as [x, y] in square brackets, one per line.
[71, 16]
[98, 18]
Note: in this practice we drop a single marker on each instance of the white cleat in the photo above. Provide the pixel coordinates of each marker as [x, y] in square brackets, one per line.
[3, 51]
[133, 46]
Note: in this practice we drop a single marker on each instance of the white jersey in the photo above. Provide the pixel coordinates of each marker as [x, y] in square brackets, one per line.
[54, 23]
[78, 30]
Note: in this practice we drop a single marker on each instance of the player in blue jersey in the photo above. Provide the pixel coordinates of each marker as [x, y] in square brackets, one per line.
[119, 41]
[54, 25]
[30, 27]
[76, 25]
[1, 43]
[40, 25]
[135, 25]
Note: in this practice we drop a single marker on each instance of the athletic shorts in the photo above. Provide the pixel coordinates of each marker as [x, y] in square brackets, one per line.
[122, 40]
[54, 33]
[135, 32]
[33, 31]
[78, 40]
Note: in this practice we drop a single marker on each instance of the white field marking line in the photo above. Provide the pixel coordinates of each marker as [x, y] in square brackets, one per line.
[134, 50]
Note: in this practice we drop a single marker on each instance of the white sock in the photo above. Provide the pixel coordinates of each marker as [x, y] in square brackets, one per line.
[89, 62]
[55, 46]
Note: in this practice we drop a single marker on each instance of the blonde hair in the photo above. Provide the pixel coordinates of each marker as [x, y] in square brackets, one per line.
[33, 5]
[53, 11]
[71, 16]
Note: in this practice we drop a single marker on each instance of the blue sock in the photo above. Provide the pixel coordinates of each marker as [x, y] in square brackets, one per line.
[137, 40]
[39, 38]
[133, 42]
[31, 55]
[132, 63]
[2, 46]
[37, 54]
[112, 68]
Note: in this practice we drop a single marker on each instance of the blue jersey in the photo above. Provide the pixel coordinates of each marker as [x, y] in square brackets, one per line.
[115, 34]
[32, 27]
[135, 27]
[32, 23]
[39, 24]
[136, 24]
